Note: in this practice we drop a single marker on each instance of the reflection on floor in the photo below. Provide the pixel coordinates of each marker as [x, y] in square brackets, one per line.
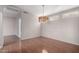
[11, 44]
[10, 39]
[37, 45]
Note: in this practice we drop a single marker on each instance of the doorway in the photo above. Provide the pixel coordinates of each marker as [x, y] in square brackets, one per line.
[11, 29]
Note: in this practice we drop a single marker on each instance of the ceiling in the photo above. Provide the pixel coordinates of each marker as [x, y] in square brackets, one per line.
[10, 13]
[37, 10]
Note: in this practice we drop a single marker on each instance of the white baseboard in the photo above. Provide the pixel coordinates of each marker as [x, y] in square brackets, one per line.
[24, 38]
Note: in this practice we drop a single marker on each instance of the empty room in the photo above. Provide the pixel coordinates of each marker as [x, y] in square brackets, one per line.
[39, 28]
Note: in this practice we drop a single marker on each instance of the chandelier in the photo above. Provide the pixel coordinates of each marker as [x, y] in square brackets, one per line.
[43, 19]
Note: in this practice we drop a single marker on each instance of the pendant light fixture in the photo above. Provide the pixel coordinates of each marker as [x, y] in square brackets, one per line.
[43, 18]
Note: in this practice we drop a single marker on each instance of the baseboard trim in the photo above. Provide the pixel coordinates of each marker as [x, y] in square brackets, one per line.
[29, 37]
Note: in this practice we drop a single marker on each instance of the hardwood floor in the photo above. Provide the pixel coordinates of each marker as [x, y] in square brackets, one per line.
[10, 39]
[51, 45]
[36, 45]
[11, 44]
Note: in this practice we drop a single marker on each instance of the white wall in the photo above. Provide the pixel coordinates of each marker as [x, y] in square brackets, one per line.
[10, 26]
[10, 22]
[64, 29]
[30, 26]
[1, 33]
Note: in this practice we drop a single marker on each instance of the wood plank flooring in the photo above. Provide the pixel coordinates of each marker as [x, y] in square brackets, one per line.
[36, 45]
[10, 39]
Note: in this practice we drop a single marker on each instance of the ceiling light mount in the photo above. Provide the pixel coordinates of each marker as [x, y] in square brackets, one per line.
[43, 18]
